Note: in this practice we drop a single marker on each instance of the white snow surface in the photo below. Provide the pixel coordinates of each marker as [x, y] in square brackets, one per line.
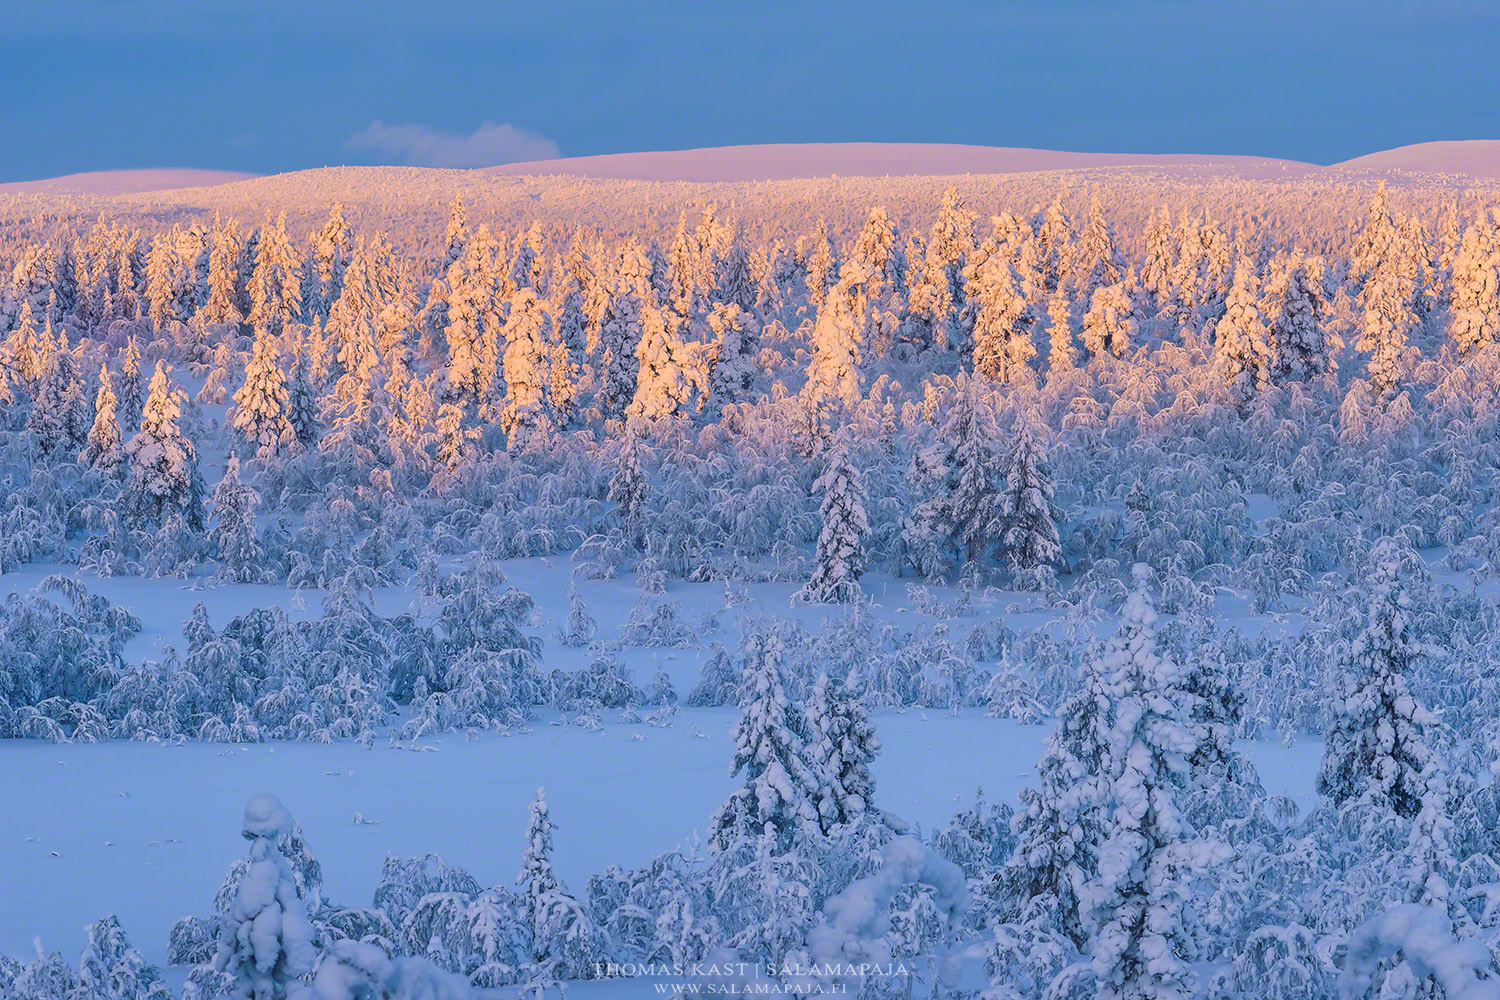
[113, 182]
[787, 160]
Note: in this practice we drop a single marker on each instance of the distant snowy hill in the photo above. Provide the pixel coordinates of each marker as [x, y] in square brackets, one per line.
[113, 182]
[784, 161]
[1475, 157]
[1478, 158]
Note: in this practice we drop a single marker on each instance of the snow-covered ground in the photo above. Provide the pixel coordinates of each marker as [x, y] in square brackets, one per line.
[146, 831]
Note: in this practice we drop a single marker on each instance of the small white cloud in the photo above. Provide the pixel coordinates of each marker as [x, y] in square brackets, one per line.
[419, 146]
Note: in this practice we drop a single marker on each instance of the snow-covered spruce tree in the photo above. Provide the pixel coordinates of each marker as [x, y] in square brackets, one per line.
[735, 348]
[131, 394]
[1002, 321]
[161, 281]
[261, 405]
[473, 324]
[104, 449]
[581, 627]
[937, 291]
[1294, 308]
[1242, 348]
[232, 533]
[1161, 253]
[110, 969]
[52, 419]
[164, 477]
[776, 794]
[222, 304]
[628, 488]
[672, 379]
[276, 283]
[1474, 296]
[1138, 909]
[959, 518]
[1378, 241]
[620, 330]
[1096, 261]
[302, 400]
[1109, 326]
[1027, 514]
[1376, 751]
[841, 542]
[1062, 355]
[331, 255]
[27, 354]
[527, 334]
[1060, 823]
[266, 941]
[564, 942]
[821, 264]
[841, 745]
[835, 376]
[433, 318]
[1054, 235]
[1386, 318]
[537, 881]
[878, 251]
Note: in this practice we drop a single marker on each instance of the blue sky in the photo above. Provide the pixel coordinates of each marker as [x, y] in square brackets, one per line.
[269, 85]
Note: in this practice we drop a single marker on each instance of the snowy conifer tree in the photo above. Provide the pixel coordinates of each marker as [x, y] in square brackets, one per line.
[222, 305]
[27, 354]
[1096, 261]
[527, 333]
[266, 940]
[164, 476]
[1002, 320]
[104, 449]
[822, 266]
[834, 375]
[736, 344]
[777, 786]
[537, 880]
[1242, 348]
[841, 745]
[1294, 309]
[1161, 252]
[1378, 242]
[962, 472]
[275, 284]
[332, 252]
[302, 401]
[1109, 326]
[564, 941]
[261, 405]
[1376, 750]
[673, 374]
[1029, 516]
[1386, 318]
[620, 330]
[1055, 243]
[937, 295]
[841, 553]
[131, 394]
[628, 488]
[1059, 825]
[232, 533]
[110, 969]
[1139, 908]
[1474, 299]
[1061, 354]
